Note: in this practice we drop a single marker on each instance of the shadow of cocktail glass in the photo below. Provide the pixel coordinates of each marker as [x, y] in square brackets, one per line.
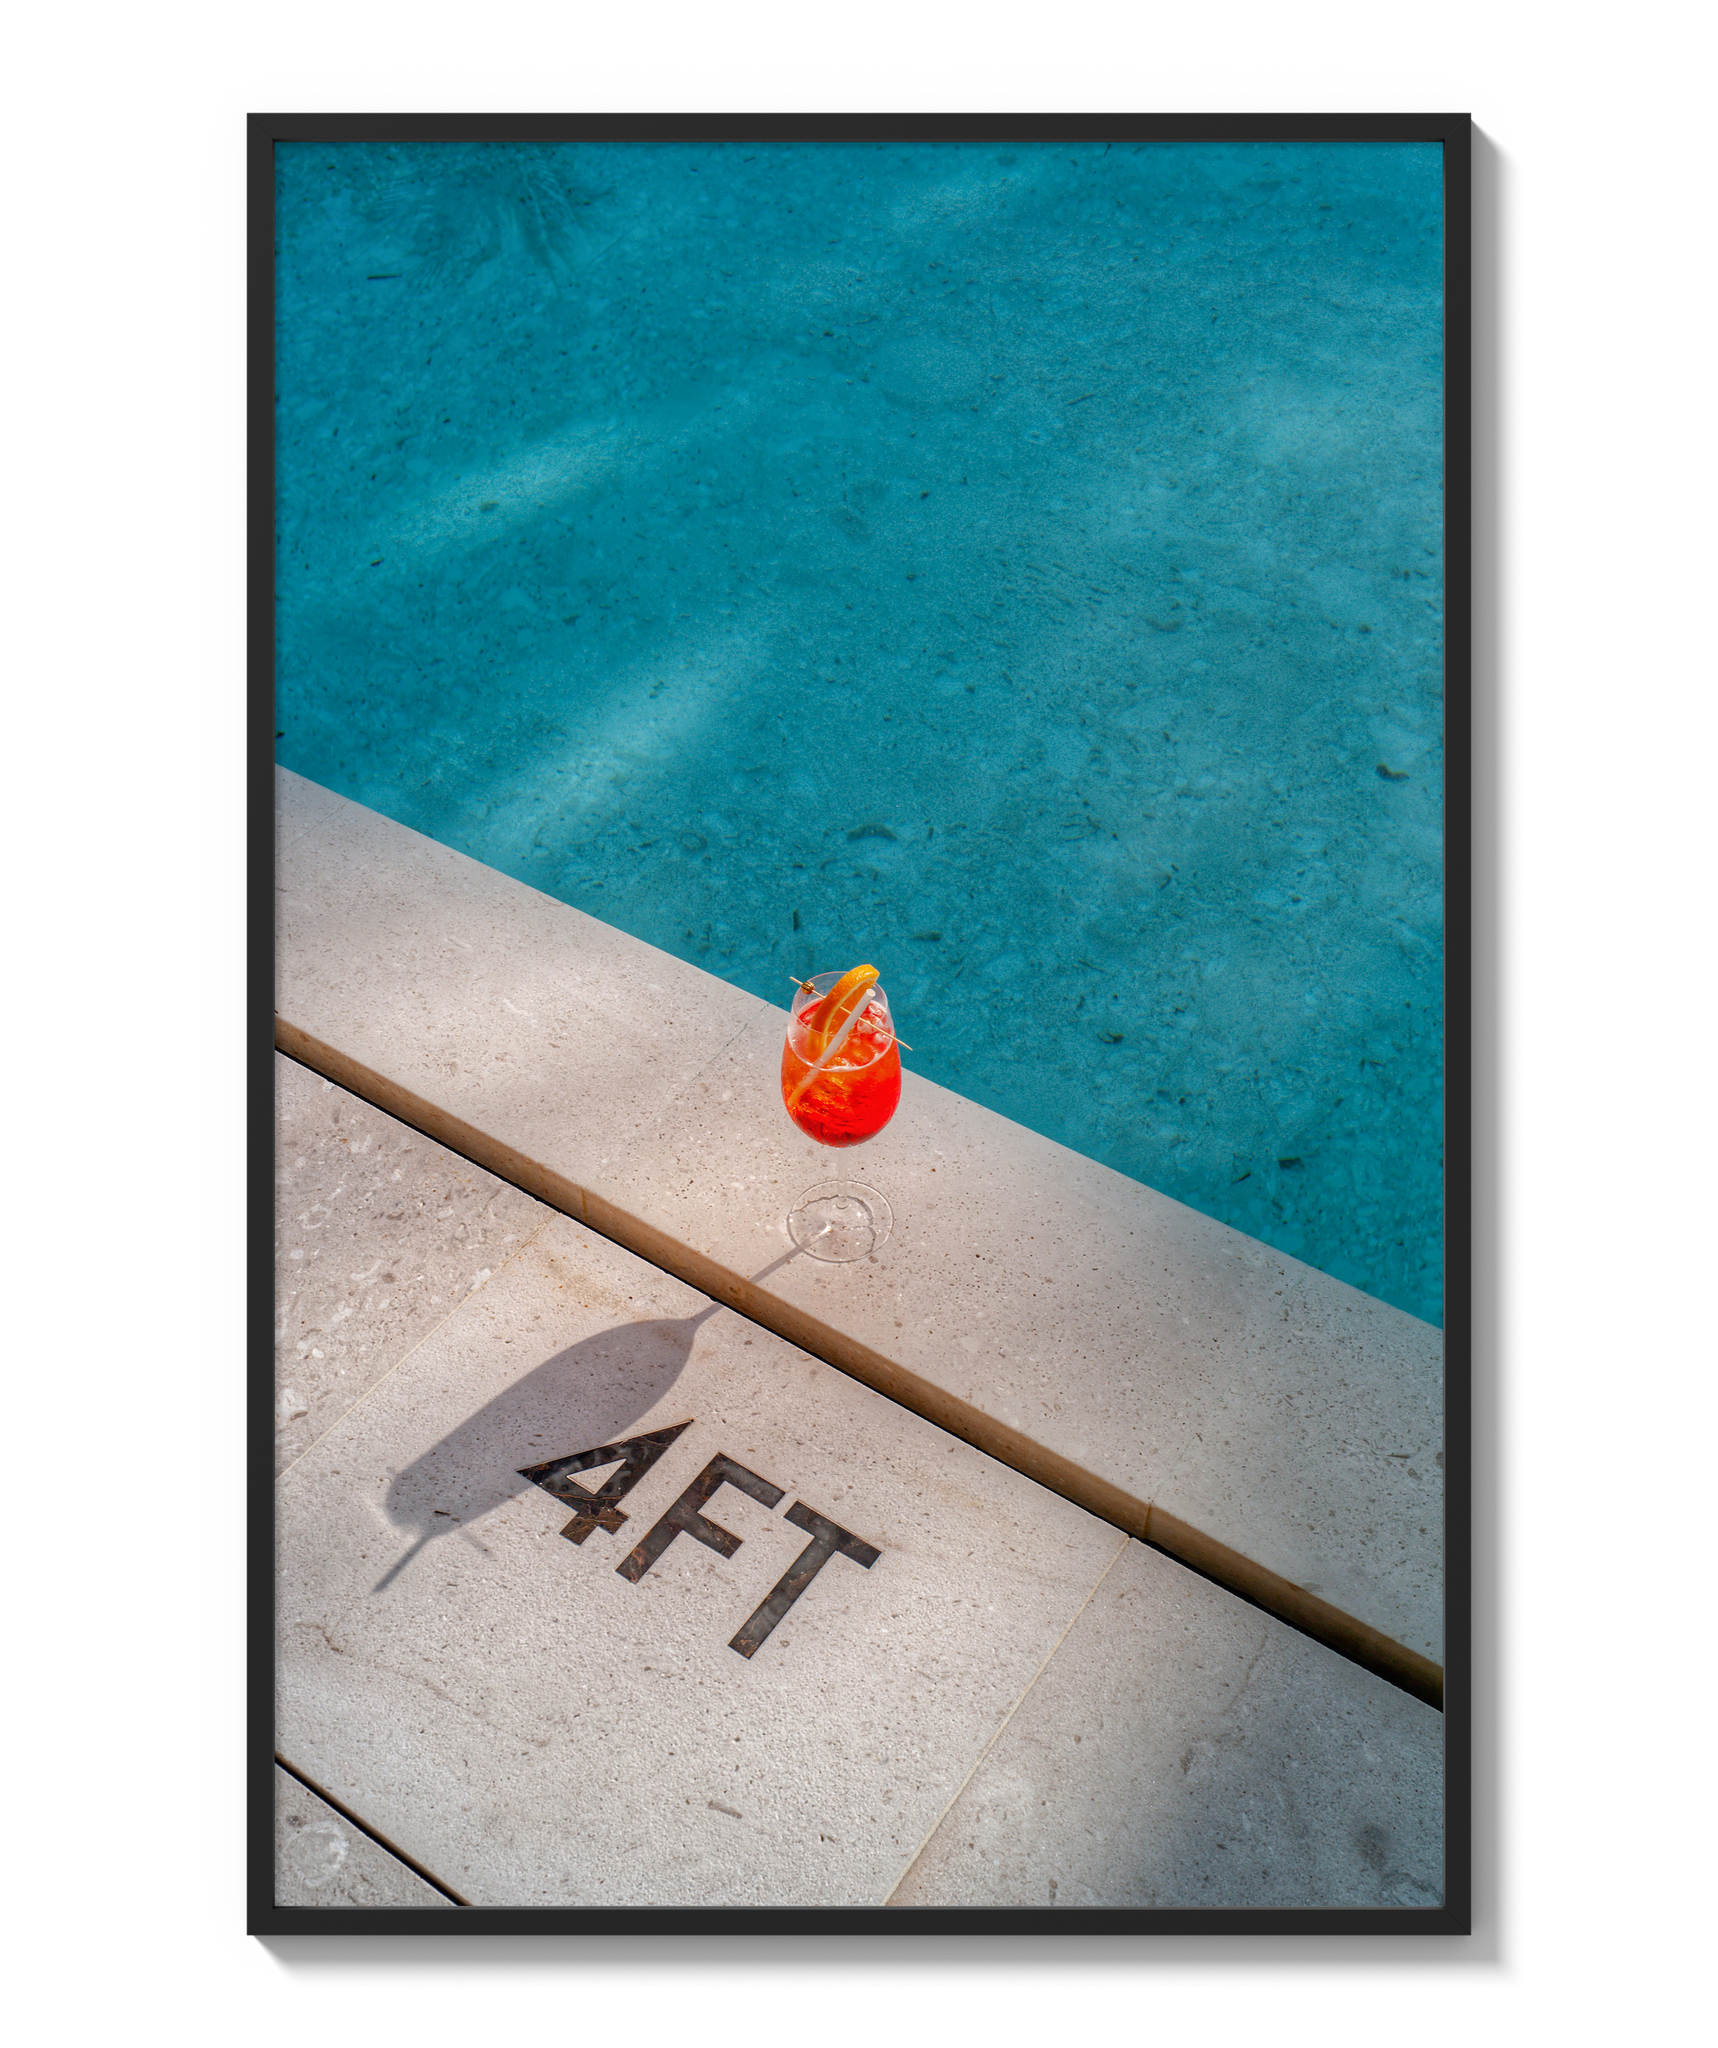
[590, 1394]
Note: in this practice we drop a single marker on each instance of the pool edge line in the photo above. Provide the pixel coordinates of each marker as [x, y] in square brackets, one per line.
[1255, 1583]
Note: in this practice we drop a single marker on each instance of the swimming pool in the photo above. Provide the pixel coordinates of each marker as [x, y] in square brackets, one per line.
[1020, 567]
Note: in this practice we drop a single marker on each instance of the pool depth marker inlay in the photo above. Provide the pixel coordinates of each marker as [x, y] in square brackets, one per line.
[686, 1518]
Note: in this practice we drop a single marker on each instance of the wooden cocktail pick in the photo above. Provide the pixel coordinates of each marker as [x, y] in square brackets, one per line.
[805, 988]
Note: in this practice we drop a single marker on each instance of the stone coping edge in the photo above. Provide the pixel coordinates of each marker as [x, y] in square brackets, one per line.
[1349, 1637]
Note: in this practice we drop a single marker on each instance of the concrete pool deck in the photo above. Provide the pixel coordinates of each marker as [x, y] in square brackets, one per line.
[531, 1175]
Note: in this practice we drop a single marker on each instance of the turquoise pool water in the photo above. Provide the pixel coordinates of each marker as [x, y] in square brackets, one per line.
[1020, 567]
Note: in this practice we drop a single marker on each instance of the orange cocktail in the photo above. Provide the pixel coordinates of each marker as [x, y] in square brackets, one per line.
[854, 1096]
[841, 1082]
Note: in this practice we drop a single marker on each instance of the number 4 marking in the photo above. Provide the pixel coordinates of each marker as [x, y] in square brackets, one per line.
[598, 1510]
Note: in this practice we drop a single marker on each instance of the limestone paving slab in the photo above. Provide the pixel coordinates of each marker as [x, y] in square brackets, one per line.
[379, 1234]
[1288, 1416]
[515, 1714]
[321, 1859]
[1181, 1749]
[537, 1020]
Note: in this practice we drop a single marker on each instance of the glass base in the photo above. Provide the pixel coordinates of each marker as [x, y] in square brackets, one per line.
[840, 1220]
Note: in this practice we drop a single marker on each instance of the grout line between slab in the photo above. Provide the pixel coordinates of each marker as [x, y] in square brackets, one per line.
[978, 1761]
[364, 1828]
[1231, 1569]
[411, 1351]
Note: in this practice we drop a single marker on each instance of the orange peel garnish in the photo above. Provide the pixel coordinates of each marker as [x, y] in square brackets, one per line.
[831, 1023]
[848, 995]
[807, 989]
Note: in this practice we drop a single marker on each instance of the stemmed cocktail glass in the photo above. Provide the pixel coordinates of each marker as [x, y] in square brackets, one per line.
[840, 1081]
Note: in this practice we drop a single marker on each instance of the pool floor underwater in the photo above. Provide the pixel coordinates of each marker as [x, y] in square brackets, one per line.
[1019, 567]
